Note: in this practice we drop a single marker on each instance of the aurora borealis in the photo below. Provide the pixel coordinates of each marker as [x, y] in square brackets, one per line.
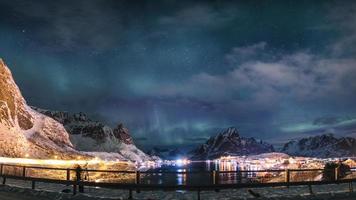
[181, 70]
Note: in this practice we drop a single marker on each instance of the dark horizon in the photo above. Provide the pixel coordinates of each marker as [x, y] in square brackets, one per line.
[181, 71]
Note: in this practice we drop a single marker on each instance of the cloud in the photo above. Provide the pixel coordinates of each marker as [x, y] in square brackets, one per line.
[342, 19]
[299, 77]
[241, 54]
[340, 125]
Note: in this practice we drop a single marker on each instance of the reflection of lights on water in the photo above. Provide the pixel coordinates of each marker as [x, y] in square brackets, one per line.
[181, 178]
[228, 166]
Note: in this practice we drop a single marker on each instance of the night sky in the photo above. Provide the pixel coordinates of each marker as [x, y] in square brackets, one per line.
[176, 72]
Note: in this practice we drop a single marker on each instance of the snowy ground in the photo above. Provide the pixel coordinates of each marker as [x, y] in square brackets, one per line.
[19, 190]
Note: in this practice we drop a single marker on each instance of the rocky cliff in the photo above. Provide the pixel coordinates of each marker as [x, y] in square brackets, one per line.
[24, 131]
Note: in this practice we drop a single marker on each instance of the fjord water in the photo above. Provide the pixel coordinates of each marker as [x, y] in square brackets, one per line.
[199, 173]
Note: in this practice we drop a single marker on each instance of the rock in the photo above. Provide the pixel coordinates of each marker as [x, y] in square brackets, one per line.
[123, 134]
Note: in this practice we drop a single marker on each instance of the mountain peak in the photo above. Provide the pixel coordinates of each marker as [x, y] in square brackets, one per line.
[230, 132]
[229, 142]
[123, 134]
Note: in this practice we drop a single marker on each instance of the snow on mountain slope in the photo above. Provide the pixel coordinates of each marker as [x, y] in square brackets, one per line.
[89, 135]
[322, 146]
[229, 142]
[24, 131]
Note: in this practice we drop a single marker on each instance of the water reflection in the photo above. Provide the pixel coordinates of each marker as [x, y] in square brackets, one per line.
[227, 166]
[202, 173]
[181, 178]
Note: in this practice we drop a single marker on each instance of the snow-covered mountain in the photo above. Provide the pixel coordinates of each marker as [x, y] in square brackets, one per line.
[229, 142]
[89, 135]
[28, 131]
[322, 146]
[24, 131]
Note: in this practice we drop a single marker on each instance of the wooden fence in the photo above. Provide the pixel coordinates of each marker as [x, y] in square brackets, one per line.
[74, 177]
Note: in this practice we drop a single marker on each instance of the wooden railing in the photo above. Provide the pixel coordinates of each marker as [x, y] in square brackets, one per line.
[74, 177]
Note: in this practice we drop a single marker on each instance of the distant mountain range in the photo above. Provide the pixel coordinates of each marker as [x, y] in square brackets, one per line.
[229, 142]
[323, 146]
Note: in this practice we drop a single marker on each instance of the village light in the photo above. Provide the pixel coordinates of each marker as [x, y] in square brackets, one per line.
[181, 162]
[29, 161]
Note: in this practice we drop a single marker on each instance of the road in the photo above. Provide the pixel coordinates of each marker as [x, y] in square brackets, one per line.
[17, 196]
[20, 196]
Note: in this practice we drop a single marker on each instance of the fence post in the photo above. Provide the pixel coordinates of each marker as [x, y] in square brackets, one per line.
[215, 175]
[68, 175]
[287, 174]
[337, 173]
[24, 171]
[239, 176]
[1, 173]
[351, 188]
[137, 181]
[74, 188]
[130, 193]
[310, 189]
